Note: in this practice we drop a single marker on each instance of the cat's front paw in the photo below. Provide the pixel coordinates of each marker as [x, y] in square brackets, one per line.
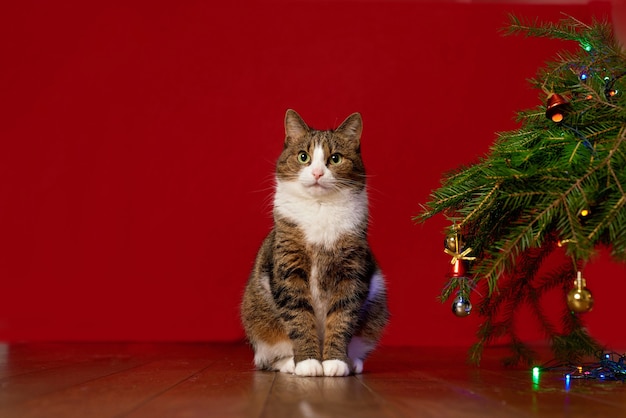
[310, 367]
[286, 365]
[357, 366]
[335, 368]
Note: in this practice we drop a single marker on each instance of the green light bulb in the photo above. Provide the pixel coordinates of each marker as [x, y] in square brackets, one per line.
[535, 378]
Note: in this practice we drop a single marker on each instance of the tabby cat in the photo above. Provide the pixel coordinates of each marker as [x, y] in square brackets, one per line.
[315, 303]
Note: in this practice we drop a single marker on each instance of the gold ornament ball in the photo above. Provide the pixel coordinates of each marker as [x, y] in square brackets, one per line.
[451, 242]
[579, 300]
[454, 243]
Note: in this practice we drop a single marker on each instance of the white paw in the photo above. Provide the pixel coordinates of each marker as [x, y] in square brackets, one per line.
[286, 365]
[310, 367]
[335, 368]
[357, 366]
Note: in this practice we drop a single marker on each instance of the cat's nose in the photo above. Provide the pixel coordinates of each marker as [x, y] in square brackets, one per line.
[317, 173]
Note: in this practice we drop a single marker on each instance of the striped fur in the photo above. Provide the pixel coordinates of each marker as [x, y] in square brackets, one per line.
[315, 303]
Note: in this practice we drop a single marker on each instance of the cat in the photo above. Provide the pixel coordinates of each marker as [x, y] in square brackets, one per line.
[315, 303]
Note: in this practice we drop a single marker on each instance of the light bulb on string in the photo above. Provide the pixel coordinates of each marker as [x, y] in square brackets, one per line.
[536, 378]
[609, 89]
[584, 215]
[586, 46]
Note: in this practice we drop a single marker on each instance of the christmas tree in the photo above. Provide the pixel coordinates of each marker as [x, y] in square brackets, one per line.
[554, 186]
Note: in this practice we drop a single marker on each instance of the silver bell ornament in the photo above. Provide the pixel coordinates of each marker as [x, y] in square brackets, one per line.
[461, 306]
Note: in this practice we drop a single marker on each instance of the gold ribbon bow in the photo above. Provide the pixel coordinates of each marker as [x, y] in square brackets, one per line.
[456, 256]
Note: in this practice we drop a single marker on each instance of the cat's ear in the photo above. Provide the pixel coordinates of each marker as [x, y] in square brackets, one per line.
[351, 128]
[295, 128]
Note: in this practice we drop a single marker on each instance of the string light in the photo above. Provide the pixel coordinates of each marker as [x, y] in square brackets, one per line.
[582, 138]
[610, 366]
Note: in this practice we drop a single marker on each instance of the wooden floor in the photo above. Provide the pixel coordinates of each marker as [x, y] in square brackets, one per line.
[211, 380]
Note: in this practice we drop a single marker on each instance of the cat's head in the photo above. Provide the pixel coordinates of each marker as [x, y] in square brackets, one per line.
[320, 163]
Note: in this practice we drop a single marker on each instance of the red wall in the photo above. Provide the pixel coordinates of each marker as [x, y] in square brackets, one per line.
[138, 141]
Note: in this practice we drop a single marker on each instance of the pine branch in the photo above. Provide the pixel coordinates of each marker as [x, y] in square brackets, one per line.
[529, 191]
[567, 29]
[574, 346]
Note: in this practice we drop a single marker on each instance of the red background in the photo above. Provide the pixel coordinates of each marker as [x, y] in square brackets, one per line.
[138, 141]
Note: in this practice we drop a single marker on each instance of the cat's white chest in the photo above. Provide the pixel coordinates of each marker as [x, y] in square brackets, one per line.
[323, 220]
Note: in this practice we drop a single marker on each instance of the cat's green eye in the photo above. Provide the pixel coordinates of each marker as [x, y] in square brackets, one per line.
[335, 159]
[303, 157]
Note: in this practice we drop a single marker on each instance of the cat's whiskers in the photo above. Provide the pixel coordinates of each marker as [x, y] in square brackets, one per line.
[268, 201]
